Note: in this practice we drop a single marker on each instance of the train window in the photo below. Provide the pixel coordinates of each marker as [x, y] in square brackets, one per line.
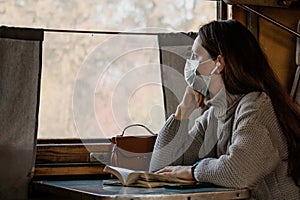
[93, 85]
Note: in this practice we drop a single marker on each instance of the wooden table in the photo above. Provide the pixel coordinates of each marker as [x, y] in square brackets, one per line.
[94, 189]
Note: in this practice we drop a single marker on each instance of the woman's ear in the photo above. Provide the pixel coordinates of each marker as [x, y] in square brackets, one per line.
[220, 63]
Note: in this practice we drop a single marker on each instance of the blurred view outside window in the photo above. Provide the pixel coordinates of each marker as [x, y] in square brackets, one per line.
[93, 85]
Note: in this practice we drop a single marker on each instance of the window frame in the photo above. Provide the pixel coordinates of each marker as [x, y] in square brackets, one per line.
[69, 157]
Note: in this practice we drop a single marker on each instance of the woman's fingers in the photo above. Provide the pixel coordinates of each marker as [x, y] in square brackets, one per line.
[191, 101]
[166, 171]
[183, 172]
[163, 170]
[199, 98]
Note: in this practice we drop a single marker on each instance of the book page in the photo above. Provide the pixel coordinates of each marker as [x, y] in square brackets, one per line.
[126, 176]
[131, 177]
[137, 183]
[164, 178]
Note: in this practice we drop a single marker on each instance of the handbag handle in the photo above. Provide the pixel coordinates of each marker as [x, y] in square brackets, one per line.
[131, 125]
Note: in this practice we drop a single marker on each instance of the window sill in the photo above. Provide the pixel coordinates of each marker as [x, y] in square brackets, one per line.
[70, 158]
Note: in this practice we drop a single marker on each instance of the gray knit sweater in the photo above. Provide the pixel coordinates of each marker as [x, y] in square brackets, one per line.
[240, 145]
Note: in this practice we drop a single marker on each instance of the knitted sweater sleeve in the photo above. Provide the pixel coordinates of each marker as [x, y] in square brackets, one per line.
[176, 145]
[251, 155]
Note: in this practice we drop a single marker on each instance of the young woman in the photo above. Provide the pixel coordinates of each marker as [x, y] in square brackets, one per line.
[249, 137]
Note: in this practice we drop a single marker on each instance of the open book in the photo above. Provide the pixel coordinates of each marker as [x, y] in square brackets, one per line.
[129, 177]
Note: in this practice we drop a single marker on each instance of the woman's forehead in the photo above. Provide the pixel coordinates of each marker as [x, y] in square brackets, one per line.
[196, 44]
[198, 49]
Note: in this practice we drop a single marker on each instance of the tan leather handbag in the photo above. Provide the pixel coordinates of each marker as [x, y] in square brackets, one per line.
[133, 152]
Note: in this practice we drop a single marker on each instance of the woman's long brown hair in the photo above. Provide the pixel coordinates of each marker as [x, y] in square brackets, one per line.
[248, 70]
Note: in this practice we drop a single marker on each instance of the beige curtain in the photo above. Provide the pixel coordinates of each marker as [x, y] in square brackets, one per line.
[175, 48]
[20, 73]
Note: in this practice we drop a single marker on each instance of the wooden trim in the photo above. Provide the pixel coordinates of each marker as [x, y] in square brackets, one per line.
[266, 3]
[63, 170]
[252, 23]
[224, 11]
[67, 158]
[72, 141]
[68, 153]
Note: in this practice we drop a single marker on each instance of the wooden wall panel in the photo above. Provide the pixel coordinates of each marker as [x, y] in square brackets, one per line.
[278, 45]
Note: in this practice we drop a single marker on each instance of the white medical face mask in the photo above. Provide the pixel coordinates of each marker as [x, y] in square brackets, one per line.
[200, 82]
